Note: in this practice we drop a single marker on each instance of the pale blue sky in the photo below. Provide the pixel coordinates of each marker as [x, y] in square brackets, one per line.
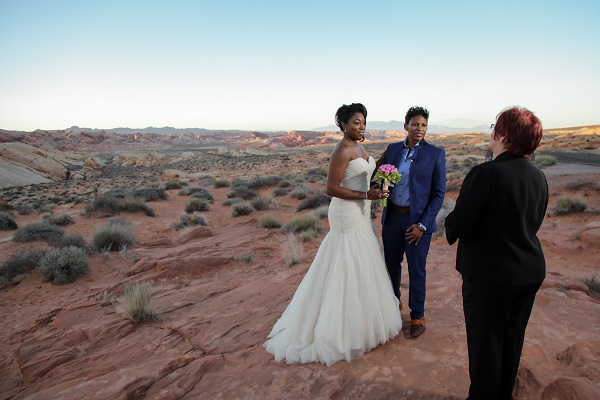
[283, 65]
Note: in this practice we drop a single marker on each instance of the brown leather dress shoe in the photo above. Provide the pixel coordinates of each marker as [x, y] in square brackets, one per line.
[417, 327]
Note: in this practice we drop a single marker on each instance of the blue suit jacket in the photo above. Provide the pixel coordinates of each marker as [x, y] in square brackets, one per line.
[427, 182]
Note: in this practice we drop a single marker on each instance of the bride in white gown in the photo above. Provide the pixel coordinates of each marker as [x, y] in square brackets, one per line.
[345, 304]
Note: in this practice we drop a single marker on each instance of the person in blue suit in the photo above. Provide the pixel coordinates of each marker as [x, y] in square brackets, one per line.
[408, 220]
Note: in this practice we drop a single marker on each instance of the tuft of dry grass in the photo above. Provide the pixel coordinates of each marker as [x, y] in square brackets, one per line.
[136, 301]
[293, 253]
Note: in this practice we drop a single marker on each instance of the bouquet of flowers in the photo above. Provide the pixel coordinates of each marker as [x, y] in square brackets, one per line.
[387, 175]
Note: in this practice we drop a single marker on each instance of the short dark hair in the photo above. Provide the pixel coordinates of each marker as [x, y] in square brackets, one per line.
[345, 112]
[520, 128]
[414, 111]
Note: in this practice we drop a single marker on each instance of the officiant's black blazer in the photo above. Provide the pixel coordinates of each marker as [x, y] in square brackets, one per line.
[498, 213]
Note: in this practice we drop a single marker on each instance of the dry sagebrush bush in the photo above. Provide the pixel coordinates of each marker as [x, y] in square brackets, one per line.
[303, 223]
[259, 203]
[292, 250]
[38, 230]
[113, 236]
[568, 205]
[7, 221]
[242, 191]
[186, 220]
[136, 302]
[219, 183]
[269, 221]
[58, 219]
[21, 262]
[194, 204]
[241, 209]
[63, 265]
[314, 201]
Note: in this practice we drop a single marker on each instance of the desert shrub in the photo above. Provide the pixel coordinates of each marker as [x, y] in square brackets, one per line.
[186, 220]
[259, 203]
[219, 183]
[150, 194]
[7, 221]
[298, 193]
[592, 283]
[21, 262]
[191, 190]
[269, 221]
[241, 209]
[24, 209]
[321, 172]
[544, 161]
[70, 239]
[284, 184]
[104, 203]
[205, 194]
[581, 184]
[134, 204]
[247, 257]
[303, 223]
[322, 212]
[231, 201]
[194, 204]
[136, 302]
[307, 236]
[5, 206]
[172, 184]
[263, 181]
[63, 265]
[315, 201]
[113, 236]
[38, 230]
[440, 219]
[567, 205]
[242, 191]
[58, 219]
[47, 208]
[292, 250]
[281, 192]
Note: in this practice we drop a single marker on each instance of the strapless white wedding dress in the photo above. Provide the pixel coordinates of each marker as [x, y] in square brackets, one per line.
[345, 304]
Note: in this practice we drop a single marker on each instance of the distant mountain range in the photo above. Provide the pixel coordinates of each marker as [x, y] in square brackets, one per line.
[399, 126]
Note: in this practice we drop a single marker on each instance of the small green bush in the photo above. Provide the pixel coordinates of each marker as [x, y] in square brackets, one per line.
[113, 236]
[241, 209]
[63, 265]
[242, 191]
[222, 183]
[232, 201]
[191, 190]
[592, 283]
[205, 195]
[307, 236]
[21, 262]
[194, 204]
[24, 209]
[186, 220]
[172, 184]
[280, 192]
[544, 161]
[38, 230]
[70, 239]
[135, 204]
[322, 172]
[298, 193]
[315, 201]
[136, 301]
[284, 184]
[263, 181]
[269, 221]
[105, 204]
[568, 205]
[150, 194]
[58, 219]
[7, 221]
[259, 203]
[303, 223]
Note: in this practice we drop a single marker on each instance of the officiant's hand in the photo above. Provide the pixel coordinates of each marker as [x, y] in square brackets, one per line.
[414, 233]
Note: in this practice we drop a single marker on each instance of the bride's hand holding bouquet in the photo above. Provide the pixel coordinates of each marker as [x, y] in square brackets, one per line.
[387, 175]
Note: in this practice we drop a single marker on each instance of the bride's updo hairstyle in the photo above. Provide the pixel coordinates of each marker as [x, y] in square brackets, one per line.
[345, 112]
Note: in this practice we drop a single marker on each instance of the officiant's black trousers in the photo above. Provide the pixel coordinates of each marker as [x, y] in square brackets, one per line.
[495, 318]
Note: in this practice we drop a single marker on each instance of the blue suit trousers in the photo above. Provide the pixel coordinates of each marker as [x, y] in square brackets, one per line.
[395, 245]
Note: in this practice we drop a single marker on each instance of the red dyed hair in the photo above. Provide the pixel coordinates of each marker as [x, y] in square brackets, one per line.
[521, 130]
